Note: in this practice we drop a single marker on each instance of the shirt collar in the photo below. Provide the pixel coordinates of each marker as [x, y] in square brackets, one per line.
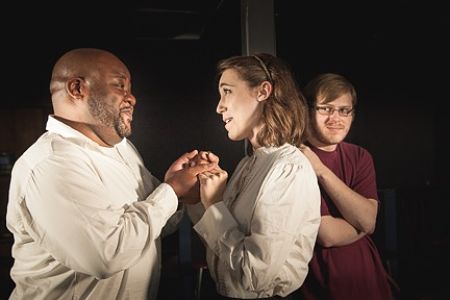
[267, 150]
[58, 127]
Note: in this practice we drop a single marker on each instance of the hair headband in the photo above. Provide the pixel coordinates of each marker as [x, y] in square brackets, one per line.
[264, 67]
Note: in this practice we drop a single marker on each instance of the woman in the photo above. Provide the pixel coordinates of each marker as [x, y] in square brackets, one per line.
[260, 228]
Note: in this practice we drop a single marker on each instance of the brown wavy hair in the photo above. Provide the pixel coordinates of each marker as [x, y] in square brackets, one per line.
[285, 111]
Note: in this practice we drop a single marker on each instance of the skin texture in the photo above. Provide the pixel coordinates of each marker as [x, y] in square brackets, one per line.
[328, 131]
[91, 92]
[241, 106]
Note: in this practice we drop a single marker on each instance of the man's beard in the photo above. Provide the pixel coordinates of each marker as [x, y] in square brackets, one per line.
[321, 136]
[107, 117]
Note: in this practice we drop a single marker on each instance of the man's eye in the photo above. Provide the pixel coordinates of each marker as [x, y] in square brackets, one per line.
[120, 85]
[345, 110]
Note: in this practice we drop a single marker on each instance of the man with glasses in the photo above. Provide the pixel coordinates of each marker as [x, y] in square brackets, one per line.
[346, 263]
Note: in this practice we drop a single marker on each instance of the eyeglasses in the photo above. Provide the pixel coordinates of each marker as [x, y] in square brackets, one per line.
[329, 110]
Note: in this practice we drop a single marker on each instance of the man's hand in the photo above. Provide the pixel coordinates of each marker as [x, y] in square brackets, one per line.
[182, 162]
[203, 157]
[182, 181]
[315, 161]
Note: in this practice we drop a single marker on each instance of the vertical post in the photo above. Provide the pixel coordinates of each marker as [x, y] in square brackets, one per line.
[258, 27]
[258, 30]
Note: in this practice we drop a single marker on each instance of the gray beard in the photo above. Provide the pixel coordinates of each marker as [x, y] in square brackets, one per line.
[107, 117]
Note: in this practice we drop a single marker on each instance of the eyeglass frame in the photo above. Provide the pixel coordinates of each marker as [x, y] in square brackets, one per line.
[322, 110]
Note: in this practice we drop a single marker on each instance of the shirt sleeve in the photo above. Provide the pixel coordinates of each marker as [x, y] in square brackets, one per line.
[287, 213]
[195, 212]
[70, 213]
[173, 224]
[365, 179]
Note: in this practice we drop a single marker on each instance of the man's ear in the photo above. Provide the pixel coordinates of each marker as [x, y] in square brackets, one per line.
[264, 91]
[76, 88]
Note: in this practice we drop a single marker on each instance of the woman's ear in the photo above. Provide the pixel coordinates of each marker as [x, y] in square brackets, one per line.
[75, 88]
[264, 91]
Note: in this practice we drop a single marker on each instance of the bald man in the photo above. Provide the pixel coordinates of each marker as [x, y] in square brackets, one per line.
[85, 213]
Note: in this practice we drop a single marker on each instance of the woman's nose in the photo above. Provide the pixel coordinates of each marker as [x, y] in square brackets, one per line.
[220, 107]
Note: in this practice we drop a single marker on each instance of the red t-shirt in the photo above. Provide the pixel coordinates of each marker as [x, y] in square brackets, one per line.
[354, 271]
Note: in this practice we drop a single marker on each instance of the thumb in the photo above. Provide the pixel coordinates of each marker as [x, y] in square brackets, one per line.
[191, 154]
[213, 158]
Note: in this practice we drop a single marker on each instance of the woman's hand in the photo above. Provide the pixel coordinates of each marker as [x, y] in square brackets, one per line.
[200, 158]
[212, 186]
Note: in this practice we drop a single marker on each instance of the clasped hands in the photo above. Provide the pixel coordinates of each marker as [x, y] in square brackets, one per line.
[196, 176]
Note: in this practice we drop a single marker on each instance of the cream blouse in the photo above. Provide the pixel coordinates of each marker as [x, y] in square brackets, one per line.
[261, 237]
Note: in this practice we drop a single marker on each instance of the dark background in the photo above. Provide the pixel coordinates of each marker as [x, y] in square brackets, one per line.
[395, 53]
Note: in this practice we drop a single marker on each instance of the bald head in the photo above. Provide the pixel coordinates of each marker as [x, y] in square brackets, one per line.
[91, 91]
[83, 63]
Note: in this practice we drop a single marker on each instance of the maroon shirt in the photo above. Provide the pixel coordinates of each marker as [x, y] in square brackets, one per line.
[354, 271]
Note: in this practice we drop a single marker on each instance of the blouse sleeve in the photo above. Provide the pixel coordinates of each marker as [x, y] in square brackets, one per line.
[287, 212]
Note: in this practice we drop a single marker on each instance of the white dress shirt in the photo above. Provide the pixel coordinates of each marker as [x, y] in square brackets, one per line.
[261, 237]
[86, 220]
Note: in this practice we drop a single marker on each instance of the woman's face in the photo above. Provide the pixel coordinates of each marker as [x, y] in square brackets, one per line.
[239, 106]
